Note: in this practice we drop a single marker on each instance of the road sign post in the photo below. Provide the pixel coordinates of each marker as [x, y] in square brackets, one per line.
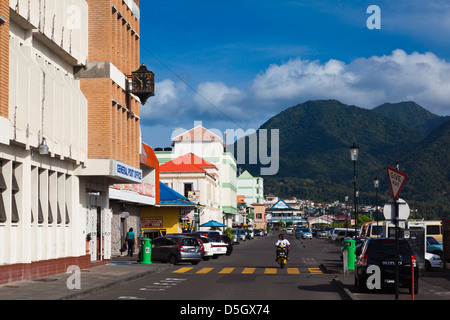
[397, 180]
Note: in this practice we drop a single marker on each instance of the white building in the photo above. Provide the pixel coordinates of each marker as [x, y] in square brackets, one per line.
[51, 196]
[40, 200]
[251, 187]
[211, 147]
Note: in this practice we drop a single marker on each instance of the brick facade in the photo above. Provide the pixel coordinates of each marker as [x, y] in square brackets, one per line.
[113, 115]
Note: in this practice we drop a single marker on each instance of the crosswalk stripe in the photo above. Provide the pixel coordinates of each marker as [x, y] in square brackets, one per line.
[293, 271]
[227, 270]
[270, 271]
[204, 270]
[315, 270]
[182, 270]
[248, 270]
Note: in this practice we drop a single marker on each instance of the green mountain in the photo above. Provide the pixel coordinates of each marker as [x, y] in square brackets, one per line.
[427, 165]
[314, 141]
[412, 115]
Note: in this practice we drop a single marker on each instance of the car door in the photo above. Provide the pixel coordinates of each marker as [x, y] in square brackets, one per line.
[157, 249]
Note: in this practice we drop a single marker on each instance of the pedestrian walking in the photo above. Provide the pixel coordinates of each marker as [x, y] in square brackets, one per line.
[130, 241]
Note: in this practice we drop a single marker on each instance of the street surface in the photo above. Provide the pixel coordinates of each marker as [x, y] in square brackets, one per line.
[249, 273]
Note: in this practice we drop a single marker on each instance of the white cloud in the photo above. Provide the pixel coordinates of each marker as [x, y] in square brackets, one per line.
[213, 95]
[366, 82]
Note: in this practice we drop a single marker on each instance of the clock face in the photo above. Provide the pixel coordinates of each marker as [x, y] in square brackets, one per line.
[142, 82]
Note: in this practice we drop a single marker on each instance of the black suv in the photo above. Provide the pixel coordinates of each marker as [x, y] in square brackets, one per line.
[381, 252]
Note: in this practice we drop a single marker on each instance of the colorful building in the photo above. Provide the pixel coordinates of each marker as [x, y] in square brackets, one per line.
[167, 217]
[210, 147]
[251, 187]
[196, 179]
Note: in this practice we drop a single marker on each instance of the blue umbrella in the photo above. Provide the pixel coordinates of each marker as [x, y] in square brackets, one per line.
[213, 223]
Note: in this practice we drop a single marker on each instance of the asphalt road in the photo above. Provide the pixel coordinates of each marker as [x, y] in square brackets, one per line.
[249, 273]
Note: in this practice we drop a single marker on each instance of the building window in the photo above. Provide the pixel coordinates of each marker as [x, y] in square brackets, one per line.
[2, 191]
[187, 188]
[15, 190]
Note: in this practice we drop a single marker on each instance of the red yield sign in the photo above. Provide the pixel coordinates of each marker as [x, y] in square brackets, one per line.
[396, 180]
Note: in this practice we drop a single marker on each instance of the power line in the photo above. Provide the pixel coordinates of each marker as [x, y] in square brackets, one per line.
[188, 85]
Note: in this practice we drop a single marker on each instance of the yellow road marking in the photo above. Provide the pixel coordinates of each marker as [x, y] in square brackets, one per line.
[204, 270]
[248, 270]
[315, 271]
[270, 271]
[182, 270]
[227, 270]
[293, 271]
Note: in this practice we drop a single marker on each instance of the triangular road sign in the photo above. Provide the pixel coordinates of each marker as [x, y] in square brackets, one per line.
[396, 180]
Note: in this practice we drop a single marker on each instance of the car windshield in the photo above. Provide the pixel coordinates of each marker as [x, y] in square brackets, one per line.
[190, 242]
[377, 230]
[387, 246]
[432, 240]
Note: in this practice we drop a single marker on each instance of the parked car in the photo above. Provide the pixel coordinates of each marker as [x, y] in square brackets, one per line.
[335, 232]
[236, 236]
[289, 230]
[225, 239]
[432, 261]
[434, 247]
[381, 252]
[193, 235]
[213, 249]
[298, 232]
[307, 234]
[242, 234]
[176, 249]
[214, 235]
[344, 234]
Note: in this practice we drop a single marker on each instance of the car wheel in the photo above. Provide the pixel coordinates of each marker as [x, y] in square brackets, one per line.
[358, 285]
[173, 260]
[195, 262]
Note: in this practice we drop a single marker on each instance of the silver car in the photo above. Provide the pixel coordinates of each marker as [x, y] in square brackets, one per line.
[176, 249]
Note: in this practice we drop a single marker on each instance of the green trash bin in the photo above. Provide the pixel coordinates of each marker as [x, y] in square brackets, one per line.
[349, 253]
[146, 251]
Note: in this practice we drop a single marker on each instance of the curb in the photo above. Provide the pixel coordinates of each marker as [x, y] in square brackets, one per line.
[347, 294]
[111, 284]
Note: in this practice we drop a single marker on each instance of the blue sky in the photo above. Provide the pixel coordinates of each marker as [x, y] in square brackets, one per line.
[236, 63]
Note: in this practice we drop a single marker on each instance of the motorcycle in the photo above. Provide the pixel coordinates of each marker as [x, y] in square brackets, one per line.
[281, 255]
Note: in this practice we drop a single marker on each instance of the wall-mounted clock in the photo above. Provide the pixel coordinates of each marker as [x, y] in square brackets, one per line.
[143, 83]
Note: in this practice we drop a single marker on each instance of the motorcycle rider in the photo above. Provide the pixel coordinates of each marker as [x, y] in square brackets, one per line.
[284, 242]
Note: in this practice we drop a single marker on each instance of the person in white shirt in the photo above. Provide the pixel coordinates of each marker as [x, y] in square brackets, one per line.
[284, 242]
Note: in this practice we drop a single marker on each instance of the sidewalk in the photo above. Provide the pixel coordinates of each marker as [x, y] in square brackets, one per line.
[119, 271]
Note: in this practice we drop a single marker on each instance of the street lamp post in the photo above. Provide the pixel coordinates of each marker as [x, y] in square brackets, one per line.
[354, 150]
[346, 211]
[376, 184]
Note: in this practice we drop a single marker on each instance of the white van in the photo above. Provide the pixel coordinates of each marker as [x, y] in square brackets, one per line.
[335, 232]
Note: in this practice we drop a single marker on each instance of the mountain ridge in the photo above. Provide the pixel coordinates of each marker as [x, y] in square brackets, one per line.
[315, 137]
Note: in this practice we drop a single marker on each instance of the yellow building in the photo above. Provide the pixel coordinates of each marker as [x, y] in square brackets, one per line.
[167, 218]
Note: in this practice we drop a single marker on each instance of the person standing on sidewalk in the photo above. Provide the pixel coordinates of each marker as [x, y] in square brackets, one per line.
[130, 241]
